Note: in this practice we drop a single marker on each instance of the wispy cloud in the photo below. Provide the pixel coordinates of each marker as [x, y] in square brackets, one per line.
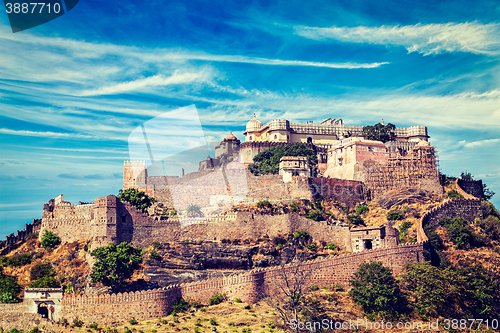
[45, 134]
[481, 143]
[153, 81]
[427, 39]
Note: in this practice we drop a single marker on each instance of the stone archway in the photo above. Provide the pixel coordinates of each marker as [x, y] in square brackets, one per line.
[43, 309]
[368, 244]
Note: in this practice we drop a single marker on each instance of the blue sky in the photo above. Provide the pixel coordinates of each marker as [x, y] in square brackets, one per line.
[73, 89]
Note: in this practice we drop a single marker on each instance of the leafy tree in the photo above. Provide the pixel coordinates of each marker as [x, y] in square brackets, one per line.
[356, 219]
[432, 291]
[375, 289]
[16, 260]
[466, 175]
[217, 299]
[136, 198]
[194, 211]
[115, 264]
[50, 240]
[267, 161]
[181, 305]
[454, 194]
[379, 132]
[9, 288]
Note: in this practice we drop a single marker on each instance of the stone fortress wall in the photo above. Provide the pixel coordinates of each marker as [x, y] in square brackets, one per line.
[21, 235]
[252, 285]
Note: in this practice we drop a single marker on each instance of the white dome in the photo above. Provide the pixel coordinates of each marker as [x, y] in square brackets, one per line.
[253, 125]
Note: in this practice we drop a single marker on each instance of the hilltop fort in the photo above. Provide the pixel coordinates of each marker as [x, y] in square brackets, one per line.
[351, 171]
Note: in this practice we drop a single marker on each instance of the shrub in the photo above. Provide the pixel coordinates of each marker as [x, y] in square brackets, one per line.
[394, 215]
[356, 219]
[154, 255]
[294, 207]
[34, 330]
[133, 321]
[362, 209]
[127, 331]
[315, 215]
[78, 323]
[460, 233]
[311, 247]
[156, 244]
[93, 325]
[180, 305]
[330, 246]
[45, 282]
[264, 204]
[16, 260]
[213, 322]
[50, 240]
[217, 299]
[314, 287]
[237, 300]
[301, 234]
[454, 195]
[405, 226]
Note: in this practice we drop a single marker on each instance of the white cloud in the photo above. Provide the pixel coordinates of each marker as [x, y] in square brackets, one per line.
[45, 134]
[481, 143]
[153, 81]
[423, 38]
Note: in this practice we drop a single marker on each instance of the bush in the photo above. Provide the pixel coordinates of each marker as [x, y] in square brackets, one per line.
[50, 240]
[454, 195]
[362, 209]
[264, 204]
[16, 260]
[314, 287]
[294, 207]
[156, 244]
[460, 233]
[356, 219]
[154, 255]
[45, 282]
[133, 321]
[301, 234]
[180, 305]
[217, 299]
[311, 247]
[330, 246]
[93, 326]
[34, 330]
[405, 226]
[213, 322]
[394, 215]
[315, 215]
[78, 323]
[237, 300]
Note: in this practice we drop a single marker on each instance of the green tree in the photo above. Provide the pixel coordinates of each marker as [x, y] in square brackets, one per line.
[50, 240]
[115, 264]
[194, 211]
[267, 161]
[136, 198]
[45, 282]
[379, 132]
[375, 289]
[42, 275]
[9, 288]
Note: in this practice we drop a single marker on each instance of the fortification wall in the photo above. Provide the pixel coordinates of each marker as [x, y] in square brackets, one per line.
[17, 316]
[470, 188]
[347, 192]
[468, 209]
[21, 235]
[249, 286]
[70, 222]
